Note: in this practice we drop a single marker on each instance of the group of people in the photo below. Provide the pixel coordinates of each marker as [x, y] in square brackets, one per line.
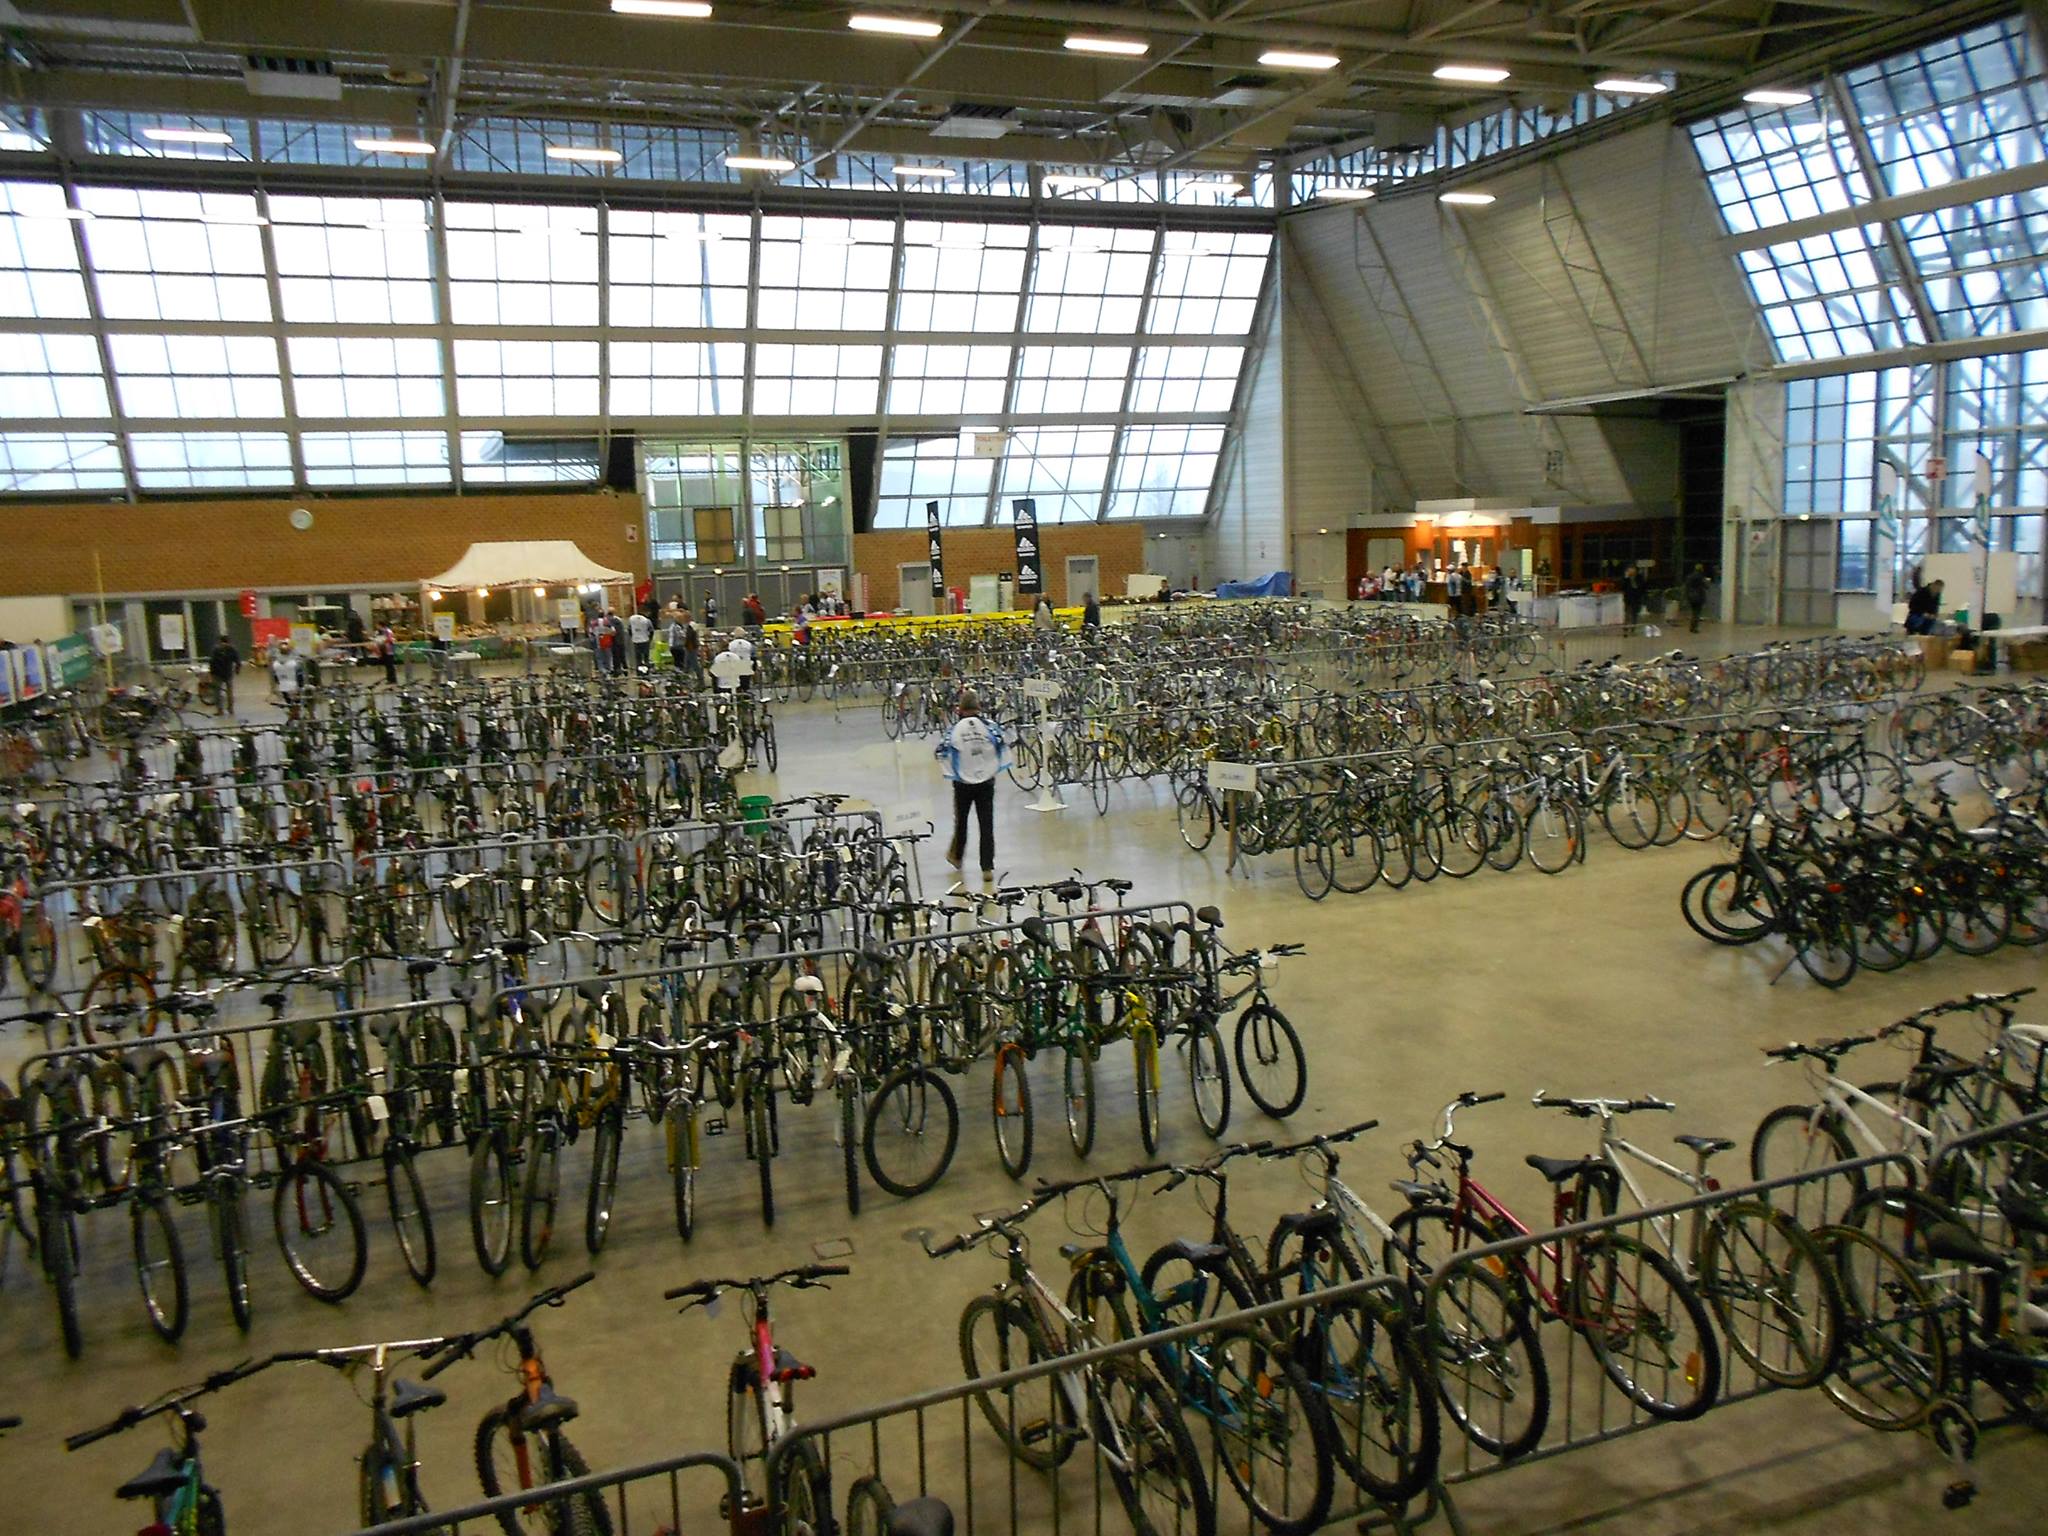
[1042, 616]
[288, 668]
[1461, 588]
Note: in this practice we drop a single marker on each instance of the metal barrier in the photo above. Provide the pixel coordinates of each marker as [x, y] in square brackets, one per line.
[643, 1501]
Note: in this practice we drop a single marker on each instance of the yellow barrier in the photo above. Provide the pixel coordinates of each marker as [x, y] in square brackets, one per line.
[1068, 618]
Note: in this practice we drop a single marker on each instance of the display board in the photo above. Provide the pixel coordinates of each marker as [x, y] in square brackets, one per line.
[1030, 569]
[1961, 575]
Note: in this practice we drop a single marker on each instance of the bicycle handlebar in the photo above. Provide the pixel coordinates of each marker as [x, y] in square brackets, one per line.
[1829, 1051]
[1211, 1167]
[460, 1346]
[1046, 1189]
[128, 1418]
[800, 1277]
[1586, 1108]
[1324, 1139]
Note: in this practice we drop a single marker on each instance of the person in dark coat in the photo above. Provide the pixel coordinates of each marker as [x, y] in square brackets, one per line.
[1696, 594]
[223, 664]
[1091, 612]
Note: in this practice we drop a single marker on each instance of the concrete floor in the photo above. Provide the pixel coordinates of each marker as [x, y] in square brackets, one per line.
[1586, 983]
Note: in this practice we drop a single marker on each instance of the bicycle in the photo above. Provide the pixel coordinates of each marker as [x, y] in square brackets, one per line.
[792, 1484]
[174, 1483]
[520, 1445]
[1130, 1415]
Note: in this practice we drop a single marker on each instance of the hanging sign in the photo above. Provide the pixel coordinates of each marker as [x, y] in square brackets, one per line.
[931, 528]
[1030, 567]
[248, 602]
[170, 631]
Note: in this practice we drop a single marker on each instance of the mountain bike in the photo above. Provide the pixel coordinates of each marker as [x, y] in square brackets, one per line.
[793, 1485]
[181, 1501]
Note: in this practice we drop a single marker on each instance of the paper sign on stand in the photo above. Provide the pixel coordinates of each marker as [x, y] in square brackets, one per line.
[1231, 780]
[1044, 690]
[444, 626]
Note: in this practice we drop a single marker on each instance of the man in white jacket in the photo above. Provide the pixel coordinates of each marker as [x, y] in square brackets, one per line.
[973, 752]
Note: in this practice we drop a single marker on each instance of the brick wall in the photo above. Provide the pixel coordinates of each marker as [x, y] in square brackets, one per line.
[1119, 550]
[224, 546]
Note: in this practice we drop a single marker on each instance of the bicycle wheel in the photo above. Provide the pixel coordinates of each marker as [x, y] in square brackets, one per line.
[490, 1203]
[1208, 1076]
[1270, 1060]
[57, 1246]
[1011, 1107]
[681, 1130]
[1456, 843]
[758, 1111]
[1077, 1078]
[913, 1125]
[849, 1142]
[604, 1180]
[1357, 857]
[1894, 1363]
[388, 1487]
[1152, 1461]
[1360, 1356]
[1722, 906]
[1145, 1071]
[411, 1222]
[1796, 1138]
[320, 1231]
[1645, 1325]
[1772, 1291]
[1553, 835]
[540, 1193]
[1034, 1420]
[1314, 865]
[1198, 818]
[1270, 1425]
[231, 1235]
[159, 1265]
[1632, 813]
[504, 1465]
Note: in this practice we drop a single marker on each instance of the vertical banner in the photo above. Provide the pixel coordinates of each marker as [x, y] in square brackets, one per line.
[931, 528]
[1029, 565]
[1884, 542]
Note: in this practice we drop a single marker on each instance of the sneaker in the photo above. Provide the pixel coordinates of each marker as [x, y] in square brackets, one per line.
[953, 859]
[988, 877]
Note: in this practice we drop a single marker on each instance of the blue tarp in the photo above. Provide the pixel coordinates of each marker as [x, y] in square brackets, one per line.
[1279, 584]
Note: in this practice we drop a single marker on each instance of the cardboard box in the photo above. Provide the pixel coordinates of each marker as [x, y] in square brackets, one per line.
[2027, 656]
[1962, 661]
[1935, 649]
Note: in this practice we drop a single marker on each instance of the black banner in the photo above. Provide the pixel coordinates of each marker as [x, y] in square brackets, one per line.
[931, 527]
[1030, 568]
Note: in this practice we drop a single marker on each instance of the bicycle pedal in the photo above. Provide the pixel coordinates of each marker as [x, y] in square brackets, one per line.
[714, 1127]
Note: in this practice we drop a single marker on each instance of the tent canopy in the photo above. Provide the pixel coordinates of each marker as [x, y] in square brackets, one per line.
[524, 562]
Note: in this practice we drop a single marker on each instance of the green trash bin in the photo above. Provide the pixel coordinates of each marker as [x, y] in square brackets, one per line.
[754, 811]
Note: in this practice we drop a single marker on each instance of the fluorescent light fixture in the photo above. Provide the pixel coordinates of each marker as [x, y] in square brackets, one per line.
[894, 26]
[1472, 74]
[928, 172]
[1625, 87]
[674, 10]
[586, 154]
[774, 164]
[394, 146]
[1126, 47]
[1773, 96]
[1465, 199]
[1069, 181]
[188, 135]
[1347, 194]
[1288, 58]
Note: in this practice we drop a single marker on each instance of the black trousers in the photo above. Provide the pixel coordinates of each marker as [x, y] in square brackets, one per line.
[391, 669]
[982, 797]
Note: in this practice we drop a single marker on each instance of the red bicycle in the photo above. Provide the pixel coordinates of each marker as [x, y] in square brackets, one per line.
[26, 935]
[1641, 1317]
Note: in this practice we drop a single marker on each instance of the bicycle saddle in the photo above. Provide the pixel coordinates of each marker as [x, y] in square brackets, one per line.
[1036, 931]
[211, 1065]
[1070, 890]
[590, 991]
[546, 1411]
[161, 1478]
[920, 1517]
[421, 967]
[1121, 887]
[274, 1000]
[1706, 1144]
[409, 1398]
[1558, 1169]
[137, 1060]
[1319, 1223]
[1421, 1194]
[1953, 1241]
[1209, 917]
[1199, 1255]
[517, 946]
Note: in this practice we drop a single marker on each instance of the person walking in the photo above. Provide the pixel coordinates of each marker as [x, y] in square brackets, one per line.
[1041, 615]
[693, 651]
[640, 629]
[743, 648]
[285, 673]
[752, 614]
[1091, 612]
[972, 753]
[673, 634]
[223, 664]
[387, 654]
[1696, 594]
[711, 610]
[1631, 599]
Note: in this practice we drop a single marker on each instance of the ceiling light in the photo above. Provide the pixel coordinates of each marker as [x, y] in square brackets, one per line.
[1472, 74]
[188, 135]
[1623, 87]
[1465, 199]
[1772, 96]
[675, 10]
[774, 164]
[1346, 194]
[929, 172]
[1127, 47]
[584, 154]
[894, 26]
[1068, 181]
[394, 146]
[1287, 58]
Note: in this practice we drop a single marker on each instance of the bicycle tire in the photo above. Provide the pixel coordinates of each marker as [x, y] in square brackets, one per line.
[583, 1514]
[1145, 1064]
[604, 1181]
[849, 1143]
[1016, 1342]
[412, 1223]
[1888, 1344]
[1744, 1238]
[1208, 1077]
[1713, 907]
[540, 1193]
[57, 1247]
[1077, 1081]
[1130, 1406]
[490, 1204]
[231, 1233]
[289, 1207]
[1260, 1386]
[1281, 1083]
[683, 1146]
[1604, 1305]
[1793, 1139]
[903, 1110]
[159, 1265]
[760, 1134]
[1010, 1107]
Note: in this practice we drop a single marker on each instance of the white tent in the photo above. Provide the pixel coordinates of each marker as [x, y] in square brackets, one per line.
[526, 562]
